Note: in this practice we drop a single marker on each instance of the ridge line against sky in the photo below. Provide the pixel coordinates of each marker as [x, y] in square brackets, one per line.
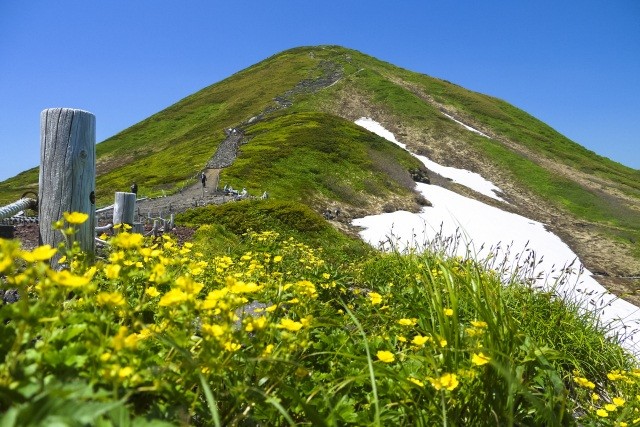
[574, 65]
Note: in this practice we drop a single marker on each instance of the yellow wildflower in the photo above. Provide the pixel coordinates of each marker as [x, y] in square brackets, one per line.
[8, 249]
[420, 340]
[240, 287]
[268, 349]
[187, 284]
[407, 322]
[152, 291]
[448, 312]
[385, 356]
[5, 262]
[158, 273]
[256, 324]
[307, 288]
[602, 413]
[215, 331]
[290, 325]
[128, 240]
[195, 270]
[306, 321]
[472, 332]
[41, 253]
[446, 381]
[173, 297]
[618, 401]
[416, 381]
[583, 382]
[443, 343]
[277, 258]
[478, 324]
[125, 372]
[615, 375]
[610, 407]
[124, 340]
[116, 256]
[232, 346]
[480, 359]
[75, 217]
[112, 271]
[375, 298]
[65, 278]
[114, 299]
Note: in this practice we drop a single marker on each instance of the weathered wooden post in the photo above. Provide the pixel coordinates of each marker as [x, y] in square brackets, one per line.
[124, 208]
[67, 173]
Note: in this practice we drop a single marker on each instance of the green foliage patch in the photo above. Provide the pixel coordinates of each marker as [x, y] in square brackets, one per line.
[272, 333]
[302, 155]
[222, 227]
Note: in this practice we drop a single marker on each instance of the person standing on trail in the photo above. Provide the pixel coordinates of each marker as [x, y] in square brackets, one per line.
[134, 188]
[203, 178]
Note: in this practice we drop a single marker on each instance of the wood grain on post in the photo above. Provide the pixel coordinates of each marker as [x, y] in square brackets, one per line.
[124, 208]
[67, 173]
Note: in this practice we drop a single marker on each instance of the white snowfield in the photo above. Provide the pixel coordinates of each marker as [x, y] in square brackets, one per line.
[483, 229]
[464, 177]
[466, 126]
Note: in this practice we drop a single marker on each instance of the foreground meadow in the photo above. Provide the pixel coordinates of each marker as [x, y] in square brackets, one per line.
[263, 328]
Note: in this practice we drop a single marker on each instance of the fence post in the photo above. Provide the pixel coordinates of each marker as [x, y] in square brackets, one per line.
[124, 208]
[67, 173]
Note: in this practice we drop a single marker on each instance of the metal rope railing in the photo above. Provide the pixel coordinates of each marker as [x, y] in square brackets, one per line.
[15, 207]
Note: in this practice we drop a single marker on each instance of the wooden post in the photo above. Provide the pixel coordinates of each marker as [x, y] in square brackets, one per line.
[67, 173]
[124, 208]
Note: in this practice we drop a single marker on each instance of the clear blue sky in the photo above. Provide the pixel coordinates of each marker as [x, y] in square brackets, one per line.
[573, 64]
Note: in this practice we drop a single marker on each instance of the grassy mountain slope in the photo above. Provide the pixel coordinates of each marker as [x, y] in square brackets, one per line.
[292, 108]
[312, 157]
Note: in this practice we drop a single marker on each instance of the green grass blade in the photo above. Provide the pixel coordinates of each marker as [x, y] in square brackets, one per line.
[211, 402]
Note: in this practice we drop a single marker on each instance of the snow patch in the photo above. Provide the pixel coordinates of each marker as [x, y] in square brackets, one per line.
[466, 126]
[464, 177]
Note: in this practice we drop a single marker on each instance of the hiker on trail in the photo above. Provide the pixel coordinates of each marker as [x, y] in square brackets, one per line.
[134, 188]
[203, 178]
[265, 195]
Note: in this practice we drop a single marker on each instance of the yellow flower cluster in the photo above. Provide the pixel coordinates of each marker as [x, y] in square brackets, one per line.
[447, 382]
[385, 356]
[218, 314]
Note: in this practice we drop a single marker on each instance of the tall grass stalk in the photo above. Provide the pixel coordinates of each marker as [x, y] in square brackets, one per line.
[372, 375]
